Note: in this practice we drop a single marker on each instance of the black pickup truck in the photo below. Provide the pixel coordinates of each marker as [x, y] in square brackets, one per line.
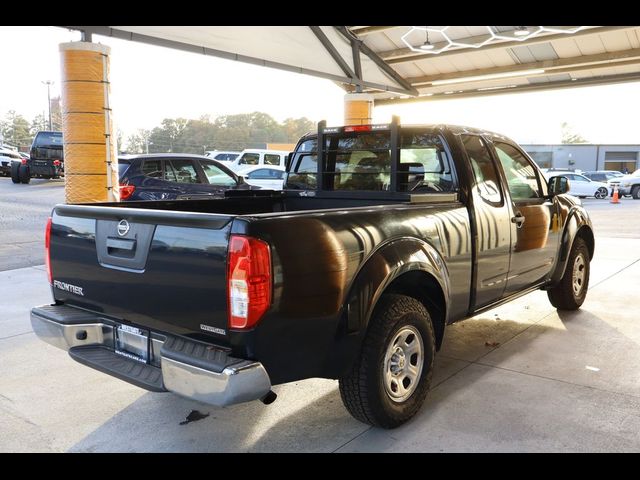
[383, 235]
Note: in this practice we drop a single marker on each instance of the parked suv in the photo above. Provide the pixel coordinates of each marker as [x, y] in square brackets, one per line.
[46, 159]
[175, 176]
[251, 158]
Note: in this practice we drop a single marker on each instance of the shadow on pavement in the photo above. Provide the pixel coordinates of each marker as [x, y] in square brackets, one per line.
[308, 416]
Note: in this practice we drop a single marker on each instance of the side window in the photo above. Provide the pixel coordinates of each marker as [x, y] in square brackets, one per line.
[249, 159]
[304, 166]
[183, 171]
[580, 178]
[260, 174]
[152, 168]
[522, 178]
[215, 175]
[484, 169]
[271, 159]
[424, 166]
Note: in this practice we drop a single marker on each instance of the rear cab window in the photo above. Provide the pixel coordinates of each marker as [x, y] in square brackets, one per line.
[361, 161]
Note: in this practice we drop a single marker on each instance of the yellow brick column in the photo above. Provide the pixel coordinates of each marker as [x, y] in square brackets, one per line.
[358, 109]
[90, 163]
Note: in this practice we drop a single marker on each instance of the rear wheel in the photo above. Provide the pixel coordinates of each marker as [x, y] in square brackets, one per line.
[24, 174]
[601, 193]
[635, 192]
[571, 291]
[390, 380]
[15, 172]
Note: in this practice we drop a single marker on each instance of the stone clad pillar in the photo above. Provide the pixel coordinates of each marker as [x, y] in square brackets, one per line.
[90, 162]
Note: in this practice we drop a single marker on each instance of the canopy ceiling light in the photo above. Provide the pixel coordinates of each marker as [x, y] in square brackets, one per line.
[445, 42]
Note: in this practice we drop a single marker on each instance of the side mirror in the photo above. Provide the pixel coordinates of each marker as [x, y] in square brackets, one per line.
[558, 185]
[287, 160]
[241, 180]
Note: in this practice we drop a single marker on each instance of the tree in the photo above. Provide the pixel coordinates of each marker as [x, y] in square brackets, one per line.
[166, 137]
[15, 130]
[296, 127]
[138, 142]
[38, 124]
[569, 136]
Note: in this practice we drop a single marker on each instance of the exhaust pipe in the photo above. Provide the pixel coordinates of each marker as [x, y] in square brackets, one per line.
[269, 398]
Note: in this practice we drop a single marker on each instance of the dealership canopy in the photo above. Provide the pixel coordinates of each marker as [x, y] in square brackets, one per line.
[409, 63]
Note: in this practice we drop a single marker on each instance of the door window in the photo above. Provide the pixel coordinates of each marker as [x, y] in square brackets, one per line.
[271, 159]
[484, 170]
[181, 171]
[249, 159]
[152, 168]
[522, 179]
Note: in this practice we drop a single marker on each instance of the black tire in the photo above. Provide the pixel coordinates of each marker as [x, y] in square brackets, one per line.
[363, 389]
[24, 174]
[15, 172]
[563, 296]
[635, 192]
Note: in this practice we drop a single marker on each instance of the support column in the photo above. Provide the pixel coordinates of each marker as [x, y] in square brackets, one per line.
[358, 109]
[90, 163]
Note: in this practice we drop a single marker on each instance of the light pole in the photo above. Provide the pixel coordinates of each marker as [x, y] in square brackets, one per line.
[48, 83]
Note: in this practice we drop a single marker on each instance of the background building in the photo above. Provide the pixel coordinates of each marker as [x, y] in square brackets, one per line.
[586, 156]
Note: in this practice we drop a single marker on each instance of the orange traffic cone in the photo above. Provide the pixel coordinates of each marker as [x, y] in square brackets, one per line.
[615, 198]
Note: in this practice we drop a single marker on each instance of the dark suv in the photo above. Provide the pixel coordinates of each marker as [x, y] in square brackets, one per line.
[175, 176]
[46, 159]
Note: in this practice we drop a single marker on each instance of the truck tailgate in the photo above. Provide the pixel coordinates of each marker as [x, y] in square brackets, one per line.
[158, 269]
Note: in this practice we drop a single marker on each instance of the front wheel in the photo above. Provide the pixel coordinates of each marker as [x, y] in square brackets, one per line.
[601, 193]
[635, 192]
[390, 380]
[570, 292]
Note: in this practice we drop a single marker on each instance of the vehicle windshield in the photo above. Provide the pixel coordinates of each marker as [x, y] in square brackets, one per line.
[216, 176]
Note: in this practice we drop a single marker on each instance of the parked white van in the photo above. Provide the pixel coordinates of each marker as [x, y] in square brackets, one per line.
[253, 157]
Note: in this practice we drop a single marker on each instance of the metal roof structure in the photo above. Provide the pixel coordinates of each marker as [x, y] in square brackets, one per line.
[411, 63]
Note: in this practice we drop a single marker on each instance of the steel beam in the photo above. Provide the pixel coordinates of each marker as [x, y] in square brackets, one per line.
[326, 43]
[581, 82]
[378, 61]
[551, 67]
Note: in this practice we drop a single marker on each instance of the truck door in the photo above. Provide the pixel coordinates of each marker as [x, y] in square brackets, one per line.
[534, 229]
[492, 216]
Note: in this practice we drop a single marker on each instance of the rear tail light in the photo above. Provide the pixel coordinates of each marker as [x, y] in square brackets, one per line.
[47, 250]
[24, 161]
[126, 191]
[248, 281]
[56, 163]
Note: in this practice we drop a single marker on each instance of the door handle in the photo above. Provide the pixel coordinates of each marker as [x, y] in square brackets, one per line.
[518, 219]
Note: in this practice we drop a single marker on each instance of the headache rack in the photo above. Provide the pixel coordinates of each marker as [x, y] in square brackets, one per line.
[326, 176]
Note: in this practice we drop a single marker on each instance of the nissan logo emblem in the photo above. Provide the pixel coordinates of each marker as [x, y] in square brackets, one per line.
[123, 228]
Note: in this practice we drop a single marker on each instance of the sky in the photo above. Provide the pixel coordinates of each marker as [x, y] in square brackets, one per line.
[150, 83]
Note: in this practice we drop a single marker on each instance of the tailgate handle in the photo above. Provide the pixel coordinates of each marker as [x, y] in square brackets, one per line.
[120, 244]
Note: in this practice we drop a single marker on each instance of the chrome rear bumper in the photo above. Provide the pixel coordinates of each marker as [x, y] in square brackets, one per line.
[74, 330]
